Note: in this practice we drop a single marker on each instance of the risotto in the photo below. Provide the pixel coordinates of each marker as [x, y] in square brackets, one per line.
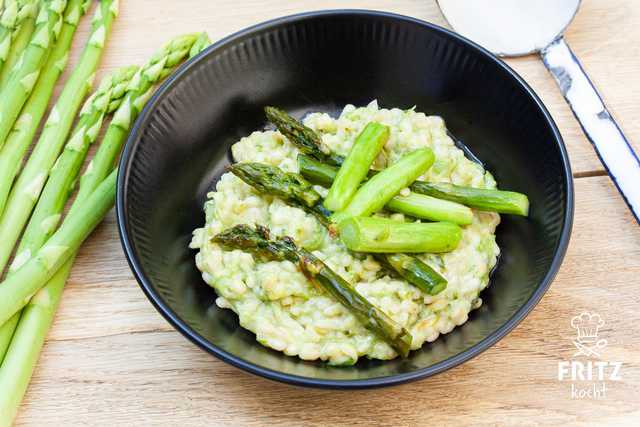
[282, 307]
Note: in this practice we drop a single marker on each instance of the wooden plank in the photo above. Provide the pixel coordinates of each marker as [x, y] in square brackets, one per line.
[112, 359]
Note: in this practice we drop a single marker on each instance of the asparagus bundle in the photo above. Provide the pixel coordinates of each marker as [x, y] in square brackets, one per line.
[272, 180]
[355, 167]
[26, 71]
[24, 130]
[27, 188]
[38, 315]
[257, 241]
[26, 23]
[47, 213]
[500, 201]
[413, 204]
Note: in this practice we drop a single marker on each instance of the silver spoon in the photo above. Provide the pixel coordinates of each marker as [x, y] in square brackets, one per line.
[522, 27]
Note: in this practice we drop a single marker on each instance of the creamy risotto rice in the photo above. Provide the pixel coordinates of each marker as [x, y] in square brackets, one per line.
[275, 300]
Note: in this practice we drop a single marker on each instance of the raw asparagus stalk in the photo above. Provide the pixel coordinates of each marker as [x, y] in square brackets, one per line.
[38, 315]
[382, 235]
[413, 204]
[382, 187]
[48, 211]
[26, 24]
[25, 128]
[138, 92]
[364, 151]
[26, 71]
[257, 241]
[306, 139]
[508, 202]
[59, 186]
[500, 201]
[415, 271]
[8, 23]
[272, 180]
[17, 288]
[27, 188]
[201, 43]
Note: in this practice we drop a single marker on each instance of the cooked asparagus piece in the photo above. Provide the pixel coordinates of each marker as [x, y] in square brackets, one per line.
[26, 24]
[272, 180]
[354, 169]
[28, 186]
[15, 291]
[257, 242]
[18, 287]
[382, 187]
[382, 235]
[508, 202]
[18, 141]
[415, 271]
[307, 141]
[291, 187]
[431, 208]
[413, 204]
[27, 69]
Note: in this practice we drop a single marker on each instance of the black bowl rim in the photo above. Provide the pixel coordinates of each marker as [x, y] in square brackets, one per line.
[188, 332]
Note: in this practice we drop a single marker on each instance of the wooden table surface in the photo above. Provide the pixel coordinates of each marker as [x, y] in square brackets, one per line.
[112, 359]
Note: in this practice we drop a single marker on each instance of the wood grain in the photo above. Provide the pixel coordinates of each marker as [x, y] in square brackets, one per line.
[111, 359]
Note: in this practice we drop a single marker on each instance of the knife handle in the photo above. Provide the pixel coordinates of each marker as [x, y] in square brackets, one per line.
[613, 148]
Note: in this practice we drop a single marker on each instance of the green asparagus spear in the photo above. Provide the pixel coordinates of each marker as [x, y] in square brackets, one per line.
[355, 167]
[415, 271]
[25, 128]
[17, 288]
[431, 208]
[288, 186]
[201, 43]
[382, 187]
[26, 71]
[257, 241]
[60, 183]
[307, 141]
[27, 188]
[508, 202]
[272, 180]
[413, 204]
[382, 235]
[48, 211]
[8, 23]
[26, 25]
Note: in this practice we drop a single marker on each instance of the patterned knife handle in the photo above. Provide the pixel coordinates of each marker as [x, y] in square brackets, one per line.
[601, 129]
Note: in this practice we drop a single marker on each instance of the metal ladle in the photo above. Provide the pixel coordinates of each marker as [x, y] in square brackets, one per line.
[523, 27]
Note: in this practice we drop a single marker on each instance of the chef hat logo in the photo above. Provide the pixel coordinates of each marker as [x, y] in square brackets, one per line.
[587, 325]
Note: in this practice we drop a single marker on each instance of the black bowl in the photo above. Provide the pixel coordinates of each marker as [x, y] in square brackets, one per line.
[320, 62]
